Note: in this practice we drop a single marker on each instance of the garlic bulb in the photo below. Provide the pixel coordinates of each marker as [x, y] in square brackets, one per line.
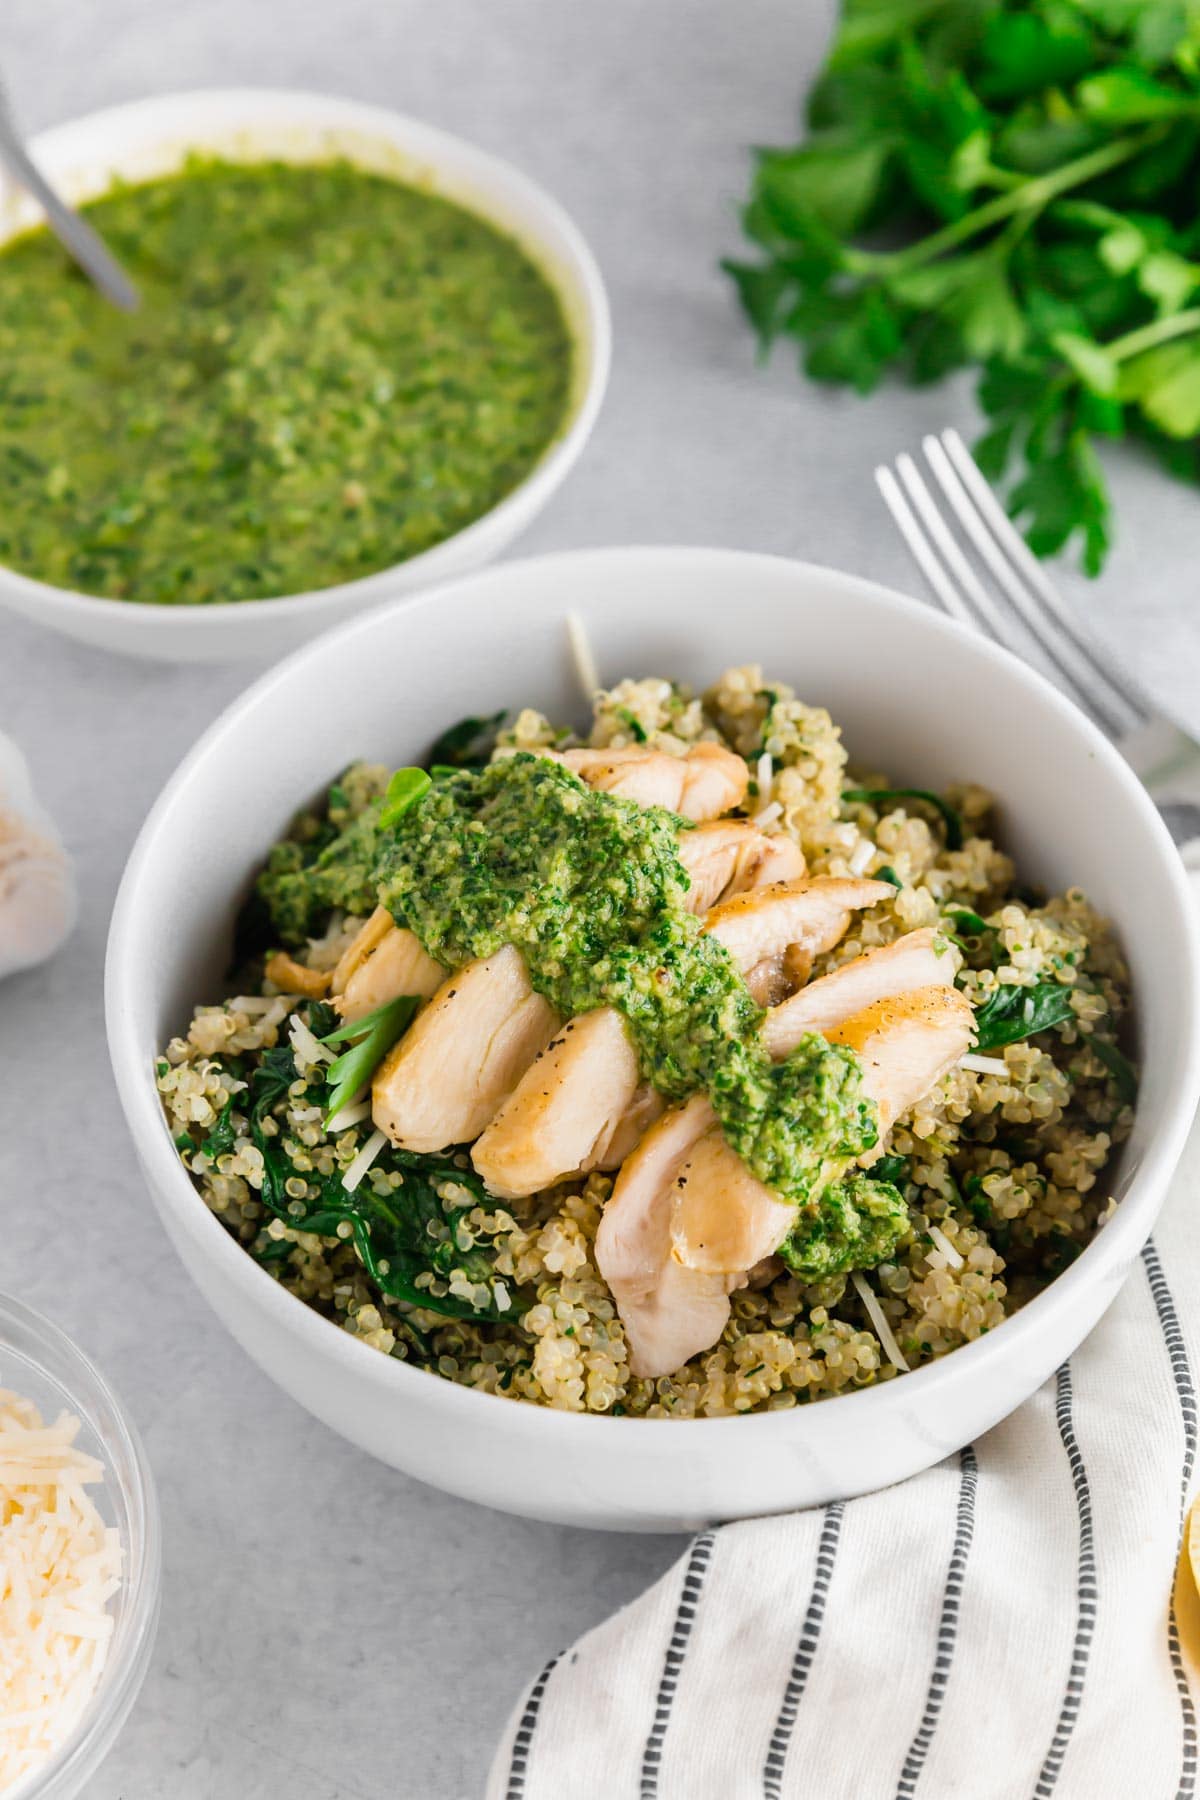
[38, 902]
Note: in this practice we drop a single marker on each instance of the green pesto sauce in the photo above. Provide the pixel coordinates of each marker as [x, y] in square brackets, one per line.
[590, 889]
[323, 863]
[856, 1224]
[329, 373]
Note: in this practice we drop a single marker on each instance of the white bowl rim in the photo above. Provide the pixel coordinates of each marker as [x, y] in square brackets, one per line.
[594, 346]
[1118, 1242]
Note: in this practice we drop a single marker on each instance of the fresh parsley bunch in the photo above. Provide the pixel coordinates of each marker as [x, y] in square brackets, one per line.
[1014, 187]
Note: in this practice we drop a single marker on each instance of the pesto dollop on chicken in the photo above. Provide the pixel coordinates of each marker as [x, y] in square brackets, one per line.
[590, 888]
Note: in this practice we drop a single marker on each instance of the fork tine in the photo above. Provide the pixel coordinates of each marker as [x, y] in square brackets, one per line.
[991, 617]
[1016, 570]
[944, 589]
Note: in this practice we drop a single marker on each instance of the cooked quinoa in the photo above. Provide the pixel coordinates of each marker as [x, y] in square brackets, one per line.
[1000, 1165]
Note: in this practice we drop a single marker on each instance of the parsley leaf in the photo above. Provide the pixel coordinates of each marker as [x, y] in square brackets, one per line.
[1009, 187]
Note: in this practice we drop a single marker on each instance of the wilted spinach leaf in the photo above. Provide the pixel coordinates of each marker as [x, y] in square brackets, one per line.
[951, 819]
[1012, 1013]
[890, 1168]
[416, 1229]
[1119, 1067]
[467, 745]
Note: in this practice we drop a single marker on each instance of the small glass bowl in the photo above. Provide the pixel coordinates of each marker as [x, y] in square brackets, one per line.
[40, 1362]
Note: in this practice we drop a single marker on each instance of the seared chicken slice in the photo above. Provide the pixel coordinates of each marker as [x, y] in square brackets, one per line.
[564, 1103]
[383, 962]
[571, 1110]
[581, 1105]
[708, 781]
[723, 1220]
[463, 1056]
[794, 920]
[690, 1203]
[623, 1135]
[906, 1043]
[669, 1312]
[365, 941]
[909, 962]
[730, 856]
[292, 977]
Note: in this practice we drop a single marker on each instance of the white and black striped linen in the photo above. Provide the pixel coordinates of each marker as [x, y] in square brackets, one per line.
[998, 1628]
[995, 1629]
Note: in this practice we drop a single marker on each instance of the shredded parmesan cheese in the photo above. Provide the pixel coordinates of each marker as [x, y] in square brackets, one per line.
[60, 1565]
[878, 1318]
[861, 855]
[308, 1048]
[985, 1065]
[768, 815]
[764, 775]
[581, 656]
[953, 1257]
[363, 1160]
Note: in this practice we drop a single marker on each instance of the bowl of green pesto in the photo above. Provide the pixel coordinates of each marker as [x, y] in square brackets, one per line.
[365, 355]
[721, 1070]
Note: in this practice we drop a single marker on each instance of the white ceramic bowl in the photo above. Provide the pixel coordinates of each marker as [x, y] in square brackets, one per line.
[41, 1363]
[150, 138]
[918, 696]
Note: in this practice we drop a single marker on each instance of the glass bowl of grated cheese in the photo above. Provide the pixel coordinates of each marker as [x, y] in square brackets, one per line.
[79, 1562]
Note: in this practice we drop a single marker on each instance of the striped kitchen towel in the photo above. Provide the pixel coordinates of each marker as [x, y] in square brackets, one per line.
[998, 1628]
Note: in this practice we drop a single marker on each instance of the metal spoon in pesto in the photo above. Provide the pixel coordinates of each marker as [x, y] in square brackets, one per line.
[73, 233]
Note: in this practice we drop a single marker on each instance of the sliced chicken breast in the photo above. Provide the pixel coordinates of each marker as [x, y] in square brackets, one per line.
[571, 1111]
[731, 856]
[583, 1105]
[721, 1222]
[292, 977]
[383, 962]
[910, 962]
[907, 1043]
[706, 782]
[463, 1056]
[724, 1221]
[669, 1312]
[564, 1103]
[795, 921]
[623, 1135]
[366, 940]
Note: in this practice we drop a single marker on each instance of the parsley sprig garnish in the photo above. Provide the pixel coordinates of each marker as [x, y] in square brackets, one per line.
[1010, 187]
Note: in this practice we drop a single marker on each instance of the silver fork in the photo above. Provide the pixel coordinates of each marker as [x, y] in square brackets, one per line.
[1023, 610]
